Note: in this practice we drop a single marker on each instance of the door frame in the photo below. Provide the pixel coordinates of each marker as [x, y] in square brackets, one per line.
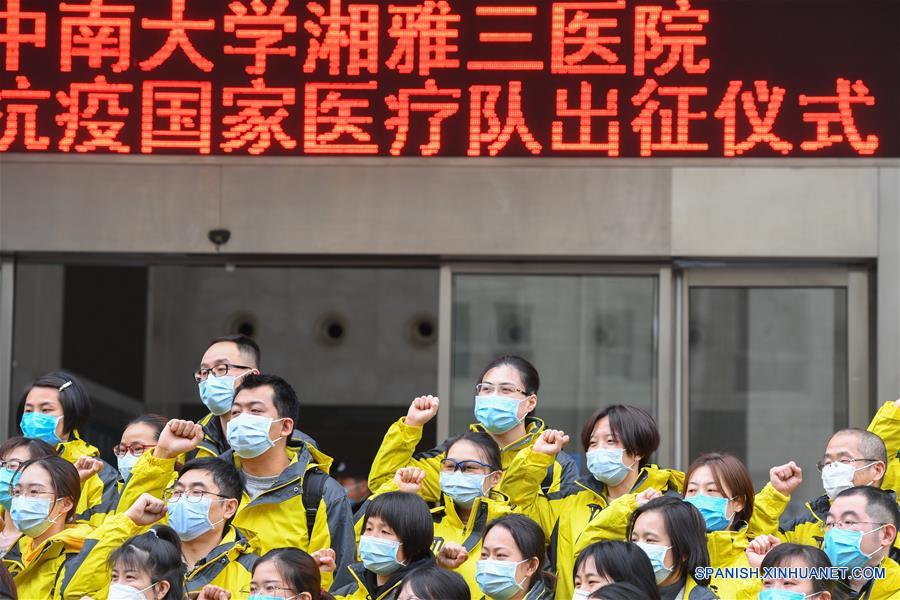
[855, 279]
[664, 386]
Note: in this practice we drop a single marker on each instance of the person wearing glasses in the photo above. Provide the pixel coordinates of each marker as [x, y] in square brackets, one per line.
[853, 457]
[54, 408]
[226, 361]
[15, 452]
[505, 404]
[281, 573]
[62, 557]
[200, 506]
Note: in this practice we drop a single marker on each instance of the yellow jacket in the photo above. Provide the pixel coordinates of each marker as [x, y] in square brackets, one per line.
[362, 584]
[71, 564]
[227, 566]
[401, 440]
[276, 518]
[448, 525]
[886, 425]
[573, 514]
[100, 493]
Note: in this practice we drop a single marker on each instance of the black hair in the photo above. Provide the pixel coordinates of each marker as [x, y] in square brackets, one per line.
[621, 562]
[283, 395]
[530, 378]
[435, 583]
[782, 555]
[226, 476]
[298, 569]
[157, 553]
[686, 530]
[634, 427]
[73, 396]
[881, 505]
[64, 479]
[154, 421]
[410, 518]
[36, 448]
[619, 591]
[530, 540]
[246, 345]
[489, 449]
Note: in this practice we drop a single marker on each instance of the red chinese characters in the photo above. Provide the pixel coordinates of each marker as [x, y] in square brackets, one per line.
[83, 107]
[263, 24]
[437, 103]
[431, 28]
[331, 31]
[176, 114]
[19, 108]
[259, 121]
[483, 107]
[579, 44]
[178, 38]
[505, 37]
[761, 126]
[102, 32]
[847, 95]
[335, 124]
[15, 23]
[675, 32]
[673, 131]
[585, 112]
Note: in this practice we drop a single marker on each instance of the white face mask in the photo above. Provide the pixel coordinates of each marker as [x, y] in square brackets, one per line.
[838, 476]
[581, 595]
[120, 591]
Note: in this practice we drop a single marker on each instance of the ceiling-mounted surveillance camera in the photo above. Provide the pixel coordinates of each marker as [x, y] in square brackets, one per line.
[219, 237]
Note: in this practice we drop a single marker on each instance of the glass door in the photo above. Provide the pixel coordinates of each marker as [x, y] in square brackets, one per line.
[774, 361]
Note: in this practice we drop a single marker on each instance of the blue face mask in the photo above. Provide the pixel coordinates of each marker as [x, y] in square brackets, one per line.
[497, 578]
[31, 516]
[713, 509]
[379, 555]
[497, 414]
[249, 434]
[39, 426]
[607, 466]
[190, 520]
[217, 393]
[463, 488]
[6, 479]
[779, 594]
[657, 555]
[843, 547]
[125, 463]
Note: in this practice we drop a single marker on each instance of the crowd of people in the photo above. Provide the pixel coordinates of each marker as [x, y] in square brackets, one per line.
[242, 504]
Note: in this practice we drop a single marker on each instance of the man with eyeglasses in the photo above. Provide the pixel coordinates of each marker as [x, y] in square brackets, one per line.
[201, 505]
[225, 363]
[860, 530]
[853, 457]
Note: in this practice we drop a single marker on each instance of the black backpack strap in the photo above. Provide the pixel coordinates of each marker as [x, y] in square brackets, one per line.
[313, 490]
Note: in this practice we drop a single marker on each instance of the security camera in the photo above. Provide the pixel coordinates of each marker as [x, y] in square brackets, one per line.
[219, 237]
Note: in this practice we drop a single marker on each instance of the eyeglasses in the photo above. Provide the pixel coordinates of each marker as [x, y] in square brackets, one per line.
[844, 461]
[268, 589]
[12, 464]
[135, 449]
[174, 495]
[849, 524]
[19, 493]
[218, 371]
[466, 466]
[504, 389]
